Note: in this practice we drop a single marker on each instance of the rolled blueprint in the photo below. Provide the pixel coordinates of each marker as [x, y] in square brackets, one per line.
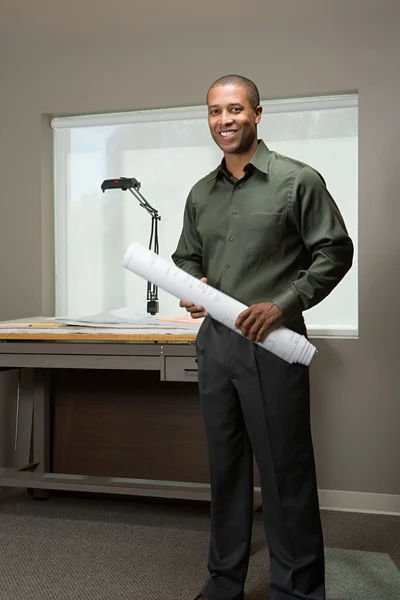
[288, 345]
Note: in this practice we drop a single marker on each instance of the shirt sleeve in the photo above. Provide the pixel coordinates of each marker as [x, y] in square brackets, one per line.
[189, 252]
[323, 232]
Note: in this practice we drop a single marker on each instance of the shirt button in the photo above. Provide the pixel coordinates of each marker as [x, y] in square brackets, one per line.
[234, 212]
[231, 239]
[227, 265]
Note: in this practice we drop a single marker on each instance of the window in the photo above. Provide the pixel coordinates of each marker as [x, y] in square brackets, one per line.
[167, 151]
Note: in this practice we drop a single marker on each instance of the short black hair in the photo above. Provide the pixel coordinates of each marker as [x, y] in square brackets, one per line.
[251, 88]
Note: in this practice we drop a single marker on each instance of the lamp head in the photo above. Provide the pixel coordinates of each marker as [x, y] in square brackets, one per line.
[123, 183]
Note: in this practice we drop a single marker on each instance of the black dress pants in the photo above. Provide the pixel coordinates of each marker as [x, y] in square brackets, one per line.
[254, 403]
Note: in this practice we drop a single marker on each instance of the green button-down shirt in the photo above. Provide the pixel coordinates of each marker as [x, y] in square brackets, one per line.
[274, 235]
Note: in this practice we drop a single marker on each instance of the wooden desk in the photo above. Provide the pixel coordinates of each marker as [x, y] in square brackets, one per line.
[105, 411]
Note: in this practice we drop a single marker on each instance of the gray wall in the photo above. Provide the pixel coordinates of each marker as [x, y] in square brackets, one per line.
[92, 56]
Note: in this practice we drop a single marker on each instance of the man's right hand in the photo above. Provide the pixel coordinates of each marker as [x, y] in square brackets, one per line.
[197, 312]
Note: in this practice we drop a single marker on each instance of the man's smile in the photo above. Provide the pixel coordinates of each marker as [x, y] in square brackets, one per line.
[228, 133]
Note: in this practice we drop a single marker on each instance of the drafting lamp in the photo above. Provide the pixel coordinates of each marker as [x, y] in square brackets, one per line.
[133, 185]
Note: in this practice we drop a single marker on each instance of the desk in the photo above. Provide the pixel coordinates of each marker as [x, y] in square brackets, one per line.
[61, 440]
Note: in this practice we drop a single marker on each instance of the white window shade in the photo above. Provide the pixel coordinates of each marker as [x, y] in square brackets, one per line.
[168, 151]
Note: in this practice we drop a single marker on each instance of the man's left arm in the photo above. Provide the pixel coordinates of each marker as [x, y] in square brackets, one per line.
[324, 234]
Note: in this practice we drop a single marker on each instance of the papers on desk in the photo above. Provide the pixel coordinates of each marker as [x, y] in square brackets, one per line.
[282, 342]
[118, 322]
[126, 318]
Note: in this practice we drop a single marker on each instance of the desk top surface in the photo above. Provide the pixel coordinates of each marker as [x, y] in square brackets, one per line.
[44, 329]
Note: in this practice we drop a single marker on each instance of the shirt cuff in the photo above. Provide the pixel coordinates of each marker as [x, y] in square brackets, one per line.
[288, 302]
[197, 273]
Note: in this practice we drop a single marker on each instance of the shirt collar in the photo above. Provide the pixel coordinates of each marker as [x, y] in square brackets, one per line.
[260, 161]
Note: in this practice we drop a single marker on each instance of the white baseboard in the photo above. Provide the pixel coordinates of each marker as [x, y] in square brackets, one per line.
[362, 502]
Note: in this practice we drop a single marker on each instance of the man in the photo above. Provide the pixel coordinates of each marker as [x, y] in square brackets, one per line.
[263, 229]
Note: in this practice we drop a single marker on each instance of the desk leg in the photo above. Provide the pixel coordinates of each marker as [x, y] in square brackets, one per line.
[23, 419]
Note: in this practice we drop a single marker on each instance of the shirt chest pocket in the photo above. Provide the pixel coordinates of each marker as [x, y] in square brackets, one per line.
[264, 233]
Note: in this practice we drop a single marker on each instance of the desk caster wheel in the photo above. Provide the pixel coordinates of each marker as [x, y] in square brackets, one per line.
[38, 494]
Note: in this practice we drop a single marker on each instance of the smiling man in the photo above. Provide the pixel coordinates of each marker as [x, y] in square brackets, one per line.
[264, 229]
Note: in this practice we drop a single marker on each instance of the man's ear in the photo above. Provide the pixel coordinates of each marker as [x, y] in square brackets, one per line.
[258, 112]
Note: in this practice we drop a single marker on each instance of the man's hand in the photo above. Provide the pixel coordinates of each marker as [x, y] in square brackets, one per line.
[258, 320]
[197, 312]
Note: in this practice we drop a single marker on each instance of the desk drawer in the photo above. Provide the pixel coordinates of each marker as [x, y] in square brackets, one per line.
[180, 368]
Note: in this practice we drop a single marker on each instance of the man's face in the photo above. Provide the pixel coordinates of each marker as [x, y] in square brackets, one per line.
[232, 120]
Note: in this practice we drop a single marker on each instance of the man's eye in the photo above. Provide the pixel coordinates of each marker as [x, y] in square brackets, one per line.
[235, 109]
[214, 112]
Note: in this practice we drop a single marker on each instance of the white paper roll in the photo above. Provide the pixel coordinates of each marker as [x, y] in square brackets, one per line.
[288, 345]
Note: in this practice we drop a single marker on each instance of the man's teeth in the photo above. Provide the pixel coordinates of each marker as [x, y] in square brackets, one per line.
[227, 133]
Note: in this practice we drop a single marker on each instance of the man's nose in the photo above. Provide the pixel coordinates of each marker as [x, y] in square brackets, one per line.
[226, 118]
